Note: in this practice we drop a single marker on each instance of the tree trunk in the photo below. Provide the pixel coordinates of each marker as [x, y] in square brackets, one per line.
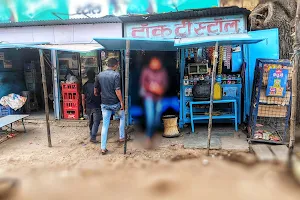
[127, 59]
[45, 95]
[295, 81]
[211, 105]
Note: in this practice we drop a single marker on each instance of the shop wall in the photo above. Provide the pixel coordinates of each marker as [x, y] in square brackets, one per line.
[12, 56]
[11, 69]
[80, 33]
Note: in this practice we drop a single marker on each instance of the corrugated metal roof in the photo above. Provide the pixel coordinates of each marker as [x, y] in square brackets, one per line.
[71, 47]
[188, 14]
[106, 19]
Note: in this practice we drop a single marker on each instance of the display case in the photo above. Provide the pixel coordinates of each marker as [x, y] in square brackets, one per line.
[271, 101]
[230, 86]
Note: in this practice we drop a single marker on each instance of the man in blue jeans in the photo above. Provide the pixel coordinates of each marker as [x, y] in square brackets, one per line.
[154, 84]
[91, 105]
[108, 83]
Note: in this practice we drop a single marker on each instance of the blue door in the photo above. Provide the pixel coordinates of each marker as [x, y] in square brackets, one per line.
[267, 49]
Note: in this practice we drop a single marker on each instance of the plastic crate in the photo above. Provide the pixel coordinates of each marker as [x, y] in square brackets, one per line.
[70, 96]
[71, 104]
[71, 114]
[4, 111]
[70, 88]
[31, 87]
[30, 75]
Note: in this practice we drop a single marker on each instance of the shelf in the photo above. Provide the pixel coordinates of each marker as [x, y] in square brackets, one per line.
[224, 116]
[272, 104]
[266, 141]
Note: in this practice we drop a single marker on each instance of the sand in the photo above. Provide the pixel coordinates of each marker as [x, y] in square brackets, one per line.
[74, 169]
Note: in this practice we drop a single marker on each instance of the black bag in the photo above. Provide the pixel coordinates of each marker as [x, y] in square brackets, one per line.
[201, 91]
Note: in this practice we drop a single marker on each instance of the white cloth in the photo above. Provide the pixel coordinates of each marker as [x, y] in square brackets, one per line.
[14, 101]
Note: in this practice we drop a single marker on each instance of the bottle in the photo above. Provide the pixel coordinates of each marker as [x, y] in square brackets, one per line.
[217, 91]
[186, 92]
[191, 92]
[191, 80]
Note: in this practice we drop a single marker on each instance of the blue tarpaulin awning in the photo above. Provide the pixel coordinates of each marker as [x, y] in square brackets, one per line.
[137, 44]
[173, 45]
[223, 40]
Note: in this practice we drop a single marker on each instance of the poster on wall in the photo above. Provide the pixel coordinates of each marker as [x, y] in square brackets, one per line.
[7, 64]
[1, 55]
[277, 82]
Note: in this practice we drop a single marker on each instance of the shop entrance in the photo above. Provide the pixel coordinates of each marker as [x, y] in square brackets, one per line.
[21, 74]
[139, 62]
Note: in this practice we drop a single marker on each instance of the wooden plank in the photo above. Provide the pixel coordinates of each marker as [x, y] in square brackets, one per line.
[263, 152]
[281, 152]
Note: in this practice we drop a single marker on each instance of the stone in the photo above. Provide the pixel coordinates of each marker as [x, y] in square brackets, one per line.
[205, 162]
[235, 144]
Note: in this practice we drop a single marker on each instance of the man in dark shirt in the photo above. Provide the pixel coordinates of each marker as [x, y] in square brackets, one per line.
[109, 85]
[91, 105]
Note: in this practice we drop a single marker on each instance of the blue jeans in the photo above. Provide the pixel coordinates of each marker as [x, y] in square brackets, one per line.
[107, 111]
[94, 121]
[153, 114]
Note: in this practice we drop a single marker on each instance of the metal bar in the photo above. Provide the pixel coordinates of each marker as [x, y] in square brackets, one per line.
[122, 73]
[80, 75]
[56, 86]
[266, 141]
[8, 128]
[23, 125]
[127, 59]
[182, 103]
[45, 96]
[211, 105]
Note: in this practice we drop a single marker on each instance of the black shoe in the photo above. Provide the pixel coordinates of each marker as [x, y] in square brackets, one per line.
[94, 141]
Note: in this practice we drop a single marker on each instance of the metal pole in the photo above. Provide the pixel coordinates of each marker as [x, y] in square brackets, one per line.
[45, 96]
[127, 59]
[55, 71]
[211, 105]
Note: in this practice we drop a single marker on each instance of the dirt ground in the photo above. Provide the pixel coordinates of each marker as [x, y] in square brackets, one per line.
[74, 169]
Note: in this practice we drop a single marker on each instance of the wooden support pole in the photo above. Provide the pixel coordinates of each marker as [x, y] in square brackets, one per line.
[45, 95]
[127, 59]
[211, 105]
[296, 58]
